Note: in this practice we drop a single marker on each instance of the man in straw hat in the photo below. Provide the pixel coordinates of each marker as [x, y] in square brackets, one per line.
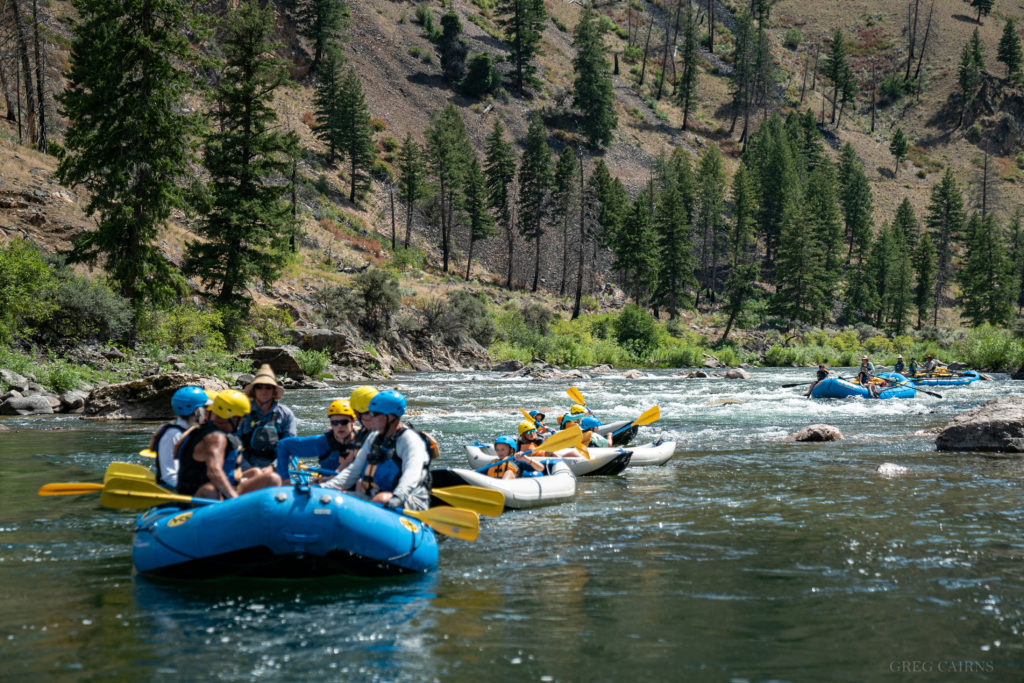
[268, 422]
[900, 366]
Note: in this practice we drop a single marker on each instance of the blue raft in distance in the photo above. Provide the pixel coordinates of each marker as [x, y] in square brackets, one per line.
[834, 387]
[285, 531]
[957, 379]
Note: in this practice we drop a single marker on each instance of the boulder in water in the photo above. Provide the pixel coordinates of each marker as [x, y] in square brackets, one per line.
[737, 373]
[997, 426]
[148, 398]
[818, 432]
[508, 366]
[27, 405]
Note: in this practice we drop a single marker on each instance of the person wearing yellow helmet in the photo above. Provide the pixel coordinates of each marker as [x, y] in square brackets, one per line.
[336, 448]
[209, 453]
[529, 436]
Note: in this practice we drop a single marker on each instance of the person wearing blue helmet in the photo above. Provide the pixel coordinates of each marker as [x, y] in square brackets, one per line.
[589, 426]
[538, 419]
[393, 466]
[510, 464]
[189, 404]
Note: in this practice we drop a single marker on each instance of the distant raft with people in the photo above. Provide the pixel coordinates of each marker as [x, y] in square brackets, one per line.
[945, 379]
[896, 386]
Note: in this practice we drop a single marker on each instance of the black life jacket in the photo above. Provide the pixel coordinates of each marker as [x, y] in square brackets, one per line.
[339, 451]
[261, 442]
[191, 473]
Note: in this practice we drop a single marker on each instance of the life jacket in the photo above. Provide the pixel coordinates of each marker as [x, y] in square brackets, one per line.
[154, 444]
[191, 473]
[261, 442]
[384, 466]
[501, 468]
[338, 451]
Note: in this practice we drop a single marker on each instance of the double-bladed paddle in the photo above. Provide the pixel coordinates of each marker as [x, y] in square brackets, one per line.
[652, 414]
[114, 470]
[136, 494]
[567, 438]
[575, 395]
[147, 453]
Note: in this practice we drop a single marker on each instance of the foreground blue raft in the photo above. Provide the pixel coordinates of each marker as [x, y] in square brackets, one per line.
[956, 379]
[282, 532]
[834, 387]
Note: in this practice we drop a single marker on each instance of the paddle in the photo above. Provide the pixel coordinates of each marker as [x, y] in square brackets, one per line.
[147, 453]
[567, 438]
[650, 415]
[136, 494]
[476, 498]
[126, 470]
[795, 384]
[531, 419]
[575, 395]
[69, 489]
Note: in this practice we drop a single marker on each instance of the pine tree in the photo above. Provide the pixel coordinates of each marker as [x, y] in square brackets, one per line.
[635, 249]
[523, 21]
[822, 206]
[946, 221]
[448, 152]
[247, 228]
[411, 173]
[924, 282]
[500, 168]
[534, 186]
[1016, 260]
[986, 279]
[855, 200]
[799, 295]
[972, 68]
[770, 158]
[686, 87]
[898, 147]
[327, 102]
[836, 66]
[710, 219]
[742, 61]
[452, 47]
[739, 286]
[564, 196]
[906, 227]
[1009, 51]
[481, 223]
[676, 264]
[127, 83]
[983, 7]
[354, 135]
[592, 86]
[898, 287]
[321, 22]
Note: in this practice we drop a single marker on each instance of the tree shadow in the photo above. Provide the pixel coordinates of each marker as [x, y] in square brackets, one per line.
[428, 80]
[885, 172]
[966, 19]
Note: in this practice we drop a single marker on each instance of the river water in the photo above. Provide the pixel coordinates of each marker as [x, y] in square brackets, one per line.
[745, 558]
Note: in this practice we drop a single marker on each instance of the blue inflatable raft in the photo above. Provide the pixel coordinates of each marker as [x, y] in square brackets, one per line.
[286, 531]
[835, 387]
[956, 379]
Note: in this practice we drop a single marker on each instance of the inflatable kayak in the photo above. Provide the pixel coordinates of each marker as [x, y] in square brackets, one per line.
[523, 492]
[285, 531]
[836, 387]
[624, 437]
[648, 455]
[955, 379]
[609, 461]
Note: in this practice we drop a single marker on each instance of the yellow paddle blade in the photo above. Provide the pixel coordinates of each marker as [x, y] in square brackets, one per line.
[147, 453]
[575, 395]
[137, 494]
[70, 489]
[128, 471]
[527, 416]
[456, 522]
[648, 416]
[567, 438]
[476, 498]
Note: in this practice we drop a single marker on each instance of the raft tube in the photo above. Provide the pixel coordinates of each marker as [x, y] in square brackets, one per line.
[524, 492]
[957, 379]
[284, 531]
[835, 387]
[609, 461]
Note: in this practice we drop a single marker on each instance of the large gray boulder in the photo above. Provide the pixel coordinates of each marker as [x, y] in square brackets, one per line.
[818, 432]
[280, 358]
[508, 366]
[737, 373]
[27, 405]
[148, 398]
[13, 380]
[997, 426]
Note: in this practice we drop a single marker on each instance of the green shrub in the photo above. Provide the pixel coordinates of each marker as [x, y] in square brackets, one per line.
[84, 310]
[372, 303]
[879, 344]
[424, 17]
[416, 51]
[727, 356]
[632, 54]
[268, 326]
[466, 312]
[481, 77]
[26, 284]
[783, 356]
[406, 258]
[537, 317]
[60, 376]
[589, 303]
[635, 330]
[991, 348]
[892, 88]
[313, 363]
[793, 38]
[389, 144]
[183, 328]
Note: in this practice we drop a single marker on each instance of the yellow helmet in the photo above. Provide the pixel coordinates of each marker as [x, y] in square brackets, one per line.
[577, 409]
[525, 426]
[341, 407]
[360, 398]
[230, 403]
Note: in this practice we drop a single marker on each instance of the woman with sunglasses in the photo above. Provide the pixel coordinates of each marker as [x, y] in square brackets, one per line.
[336, 448]
[268, 422]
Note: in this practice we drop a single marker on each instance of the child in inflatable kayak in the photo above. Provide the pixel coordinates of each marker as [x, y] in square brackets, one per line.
[511, 464]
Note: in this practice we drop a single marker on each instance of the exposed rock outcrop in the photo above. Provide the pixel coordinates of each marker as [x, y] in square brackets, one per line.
[27, 405]
[818, 432]
[997, 426]
[148, 398]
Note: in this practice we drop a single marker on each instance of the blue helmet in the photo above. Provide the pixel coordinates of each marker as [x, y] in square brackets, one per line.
[589, 423]
[507, 440]
[388, 402]
[187, 399]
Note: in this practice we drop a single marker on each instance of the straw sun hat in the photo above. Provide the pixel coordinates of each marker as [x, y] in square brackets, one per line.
[265, 375]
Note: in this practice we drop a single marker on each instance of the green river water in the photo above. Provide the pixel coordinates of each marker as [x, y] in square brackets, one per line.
[745, 558]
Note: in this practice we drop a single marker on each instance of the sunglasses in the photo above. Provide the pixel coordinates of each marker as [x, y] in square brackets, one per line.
[264, 386]
[337, 423]
[370, 413]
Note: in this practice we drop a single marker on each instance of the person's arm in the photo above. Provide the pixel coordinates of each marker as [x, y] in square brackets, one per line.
[299, 447]
[523, 458]
[211, 451]
[348, 477]
[413, 454]
[166, 461]
[287, 426]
